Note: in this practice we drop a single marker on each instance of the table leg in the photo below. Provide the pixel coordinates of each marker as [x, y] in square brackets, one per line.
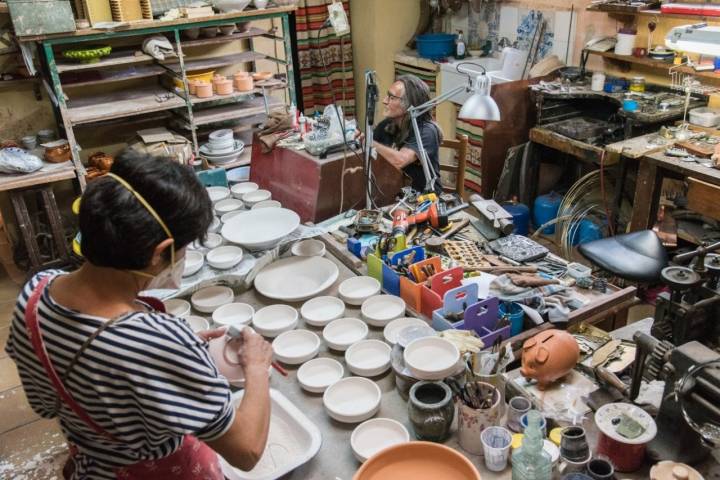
[26, 227]
[646, 188]
[619, 186]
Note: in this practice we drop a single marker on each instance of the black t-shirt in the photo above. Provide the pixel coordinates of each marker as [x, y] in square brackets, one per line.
[430, 135]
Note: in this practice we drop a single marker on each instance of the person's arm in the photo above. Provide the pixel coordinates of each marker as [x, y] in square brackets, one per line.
[397, 158]
[243, 443]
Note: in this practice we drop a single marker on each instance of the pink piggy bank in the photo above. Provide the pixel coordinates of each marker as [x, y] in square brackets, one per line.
[549, 355]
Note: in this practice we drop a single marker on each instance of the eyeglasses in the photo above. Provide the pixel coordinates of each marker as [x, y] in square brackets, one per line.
[391, 97]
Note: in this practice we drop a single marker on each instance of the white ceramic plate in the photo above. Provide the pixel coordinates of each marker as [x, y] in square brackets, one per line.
[296, 278]
[379, 310]
[273, 320]
[320, 311]
[256, 196]
[368, 358]
[224, 257]
[213, 240]
[340, 334]
[209, 299]
[431, 358]
[177, 307]
[370, 437]
[355, 290]
[352, 399]
[235, 149]
[267, 204]
[194, 261]
[296, 346]
[309, 247]
[239, 189]
[260, 229]
[218, 193]
[393, 329]
[197, 324]
[228, 205]
[233, 314]
[318, 374]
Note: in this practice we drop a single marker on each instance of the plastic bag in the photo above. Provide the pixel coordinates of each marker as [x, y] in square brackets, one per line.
[17, 160]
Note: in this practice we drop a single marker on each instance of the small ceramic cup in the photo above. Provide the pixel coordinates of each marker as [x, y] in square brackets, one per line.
[517, 407]
[573, 444]
[496, 447]
[600, 469]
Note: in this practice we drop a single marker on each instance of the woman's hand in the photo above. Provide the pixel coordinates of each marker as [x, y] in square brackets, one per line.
[255, 354]
[208, 335]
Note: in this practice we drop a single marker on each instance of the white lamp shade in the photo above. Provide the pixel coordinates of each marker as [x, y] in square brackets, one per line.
[480, 107]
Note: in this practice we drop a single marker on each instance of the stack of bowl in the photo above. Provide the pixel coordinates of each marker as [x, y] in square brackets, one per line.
[222, 147]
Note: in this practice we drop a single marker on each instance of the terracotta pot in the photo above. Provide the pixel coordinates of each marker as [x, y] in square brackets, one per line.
[244, 84]
[203, 90]
[431, 410]
[667, 470]
[58, 154]
[100, 160]
[239, 75]
[224, 87]
[549, 355]
[257, 76]
[472, 421]
[192, 86]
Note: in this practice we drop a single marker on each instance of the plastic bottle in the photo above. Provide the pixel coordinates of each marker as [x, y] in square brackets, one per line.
[293, 116]
[301, 125]
[460, 49]
[530, 461]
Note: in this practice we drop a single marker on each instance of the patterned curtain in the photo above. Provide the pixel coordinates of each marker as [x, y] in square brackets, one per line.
[474, 129]
[320, 84]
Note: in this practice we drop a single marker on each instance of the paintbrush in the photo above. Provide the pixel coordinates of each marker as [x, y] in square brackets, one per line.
[234, 333]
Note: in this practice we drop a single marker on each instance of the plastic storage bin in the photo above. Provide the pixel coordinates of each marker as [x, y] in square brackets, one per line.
[435, 45]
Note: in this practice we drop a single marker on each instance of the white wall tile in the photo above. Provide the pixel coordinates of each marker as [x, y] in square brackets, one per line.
[509, 19]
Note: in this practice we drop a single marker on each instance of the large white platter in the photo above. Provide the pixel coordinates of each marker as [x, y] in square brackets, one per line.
[260, 229]
[296, 278]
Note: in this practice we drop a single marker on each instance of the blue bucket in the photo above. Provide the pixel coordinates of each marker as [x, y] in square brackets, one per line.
[515, 314]
[435, 45]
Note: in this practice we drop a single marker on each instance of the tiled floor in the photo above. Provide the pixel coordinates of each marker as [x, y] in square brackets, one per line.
[30, 447]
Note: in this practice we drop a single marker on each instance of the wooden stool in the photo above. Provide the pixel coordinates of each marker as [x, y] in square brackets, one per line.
[46, 197]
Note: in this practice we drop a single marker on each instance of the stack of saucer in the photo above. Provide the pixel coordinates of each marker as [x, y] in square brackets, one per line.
[222, 147]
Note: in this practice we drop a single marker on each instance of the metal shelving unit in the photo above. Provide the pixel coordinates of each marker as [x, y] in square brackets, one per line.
[79, 111]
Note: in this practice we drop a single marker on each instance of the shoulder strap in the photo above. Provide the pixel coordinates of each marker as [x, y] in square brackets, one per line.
[33, 330]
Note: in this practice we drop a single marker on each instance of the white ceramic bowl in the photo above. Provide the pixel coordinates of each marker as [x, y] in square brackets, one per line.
[431, 358]
[226, 217]
[318, 374]
[368, 358]
[177, 307]
[340, 334]
[208, 299]
[320, 311]
[228, 205]
[218, 193]
[296, 278]
[194, 261]
[233, 314]
[213, 240]
[393, 329]
[380, 310]
[370, 437]
[214, 225]
[267, 204]
[226, 6]
[355, 290]
[224, 257]
[240, 189]
[260, 229]
[273, 320]
[296, 346]
[352, 399]
[309, 247]
[197, 324]
[256, 196]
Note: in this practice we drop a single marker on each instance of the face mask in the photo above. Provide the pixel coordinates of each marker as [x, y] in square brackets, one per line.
[168, 279]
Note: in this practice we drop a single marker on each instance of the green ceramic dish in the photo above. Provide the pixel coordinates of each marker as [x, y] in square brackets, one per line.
[90, 54]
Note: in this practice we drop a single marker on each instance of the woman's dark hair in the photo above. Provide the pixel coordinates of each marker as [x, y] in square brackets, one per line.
[417, 92]
[119, 232]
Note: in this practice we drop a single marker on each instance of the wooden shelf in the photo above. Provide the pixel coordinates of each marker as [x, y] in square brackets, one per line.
[109, 76]
[648, 62]
[119, 58]
[18, 81]
[120, 104]
[216, 62]
[632, 11]
[235, 111]
[49, 173]
[253, 32]
[233, 97]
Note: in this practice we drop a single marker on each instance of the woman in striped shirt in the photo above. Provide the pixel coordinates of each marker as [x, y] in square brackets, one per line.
[134, 389]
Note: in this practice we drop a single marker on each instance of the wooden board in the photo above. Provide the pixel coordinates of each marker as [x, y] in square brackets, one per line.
[637, 147]
[49, 173]
[698, 148]
[97, 11]
[583, 151]
[234, 111]
[120, 104]
[703, 198]
[46, 17]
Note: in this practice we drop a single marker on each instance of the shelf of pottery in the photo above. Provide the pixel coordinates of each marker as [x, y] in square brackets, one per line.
[102, 79]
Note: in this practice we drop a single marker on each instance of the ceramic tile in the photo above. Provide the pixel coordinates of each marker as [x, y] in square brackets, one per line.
[508, 22]
[36, 451]
[6, 310]
[562, 25]
[4, 332]
[8, 374]
[16, 410]
[560, 49]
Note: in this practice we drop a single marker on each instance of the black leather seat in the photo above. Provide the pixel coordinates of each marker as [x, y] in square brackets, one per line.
[637, 256]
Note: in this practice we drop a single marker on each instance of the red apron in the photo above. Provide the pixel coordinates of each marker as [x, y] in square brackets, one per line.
[194, 460]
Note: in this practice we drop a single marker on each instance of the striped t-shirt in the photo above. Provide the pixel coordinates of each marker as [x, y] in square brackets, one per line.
[147, 379]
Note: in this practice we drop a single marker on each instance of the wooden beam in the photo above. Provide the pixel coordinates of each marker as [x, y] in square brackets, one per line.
[704, 198]
[645, 185]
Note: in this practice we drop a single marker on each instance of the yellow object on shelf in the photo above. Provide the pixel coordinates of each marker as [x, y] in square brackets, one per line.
[205, 76]
[556, 435]
[714, 100]
[517, 440]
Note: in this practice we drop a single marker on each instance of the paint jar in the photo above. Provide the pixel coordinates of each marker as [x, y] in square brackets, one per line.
[496, 447]
[598, 82]
[573, 444]
[515, 314]
[517, 407]
[637, 84]
[630, 105]
[431, 411]
[472, 421]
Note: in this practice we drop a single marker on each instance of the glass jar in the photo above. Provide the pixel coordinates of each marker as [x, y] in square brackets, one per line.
[637, 84]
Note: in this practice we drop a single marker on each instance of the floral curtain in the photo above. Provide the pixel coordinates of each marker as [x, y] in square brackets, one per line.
[334, 80]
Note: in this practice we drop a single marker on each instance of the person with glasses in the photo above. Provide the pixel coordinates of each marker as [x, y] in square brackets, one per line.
[394, 138]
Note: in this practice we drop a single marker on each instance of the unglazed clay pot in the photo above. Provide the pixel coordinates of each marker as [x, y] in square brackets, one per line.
[549, 355]
[667, 470]
[192, 86]
[239, 75]
[244, 84]
[204, 90]
[224, 87]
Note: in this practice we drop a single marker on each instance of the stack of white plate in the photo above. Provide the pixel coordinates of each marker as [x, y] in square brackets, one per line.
[222, 147]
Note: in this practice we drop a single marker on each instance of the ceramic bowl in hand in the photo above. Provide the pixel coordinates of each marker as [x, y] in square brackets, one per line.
[296, 346]
[194, 261]
[355, 290]
[380, 310]
[177, 307]
[228, 205]
[208, 299]
[225, 352]
[392, 330]
[340, 334]
[431, 358]
[218, 193]
[240, 189]
[225, 257]
[251, 198]
[273, 320]
[320, 311]
[233, 314]
[309, 247]
[370, 437]
[352, 399]
[368, 358]
[197, 324]
[318, 374]
[266, 204]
